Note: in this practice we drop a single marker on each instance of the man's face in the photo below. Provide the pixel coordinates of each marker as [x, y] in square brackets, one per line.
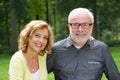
[80, 28]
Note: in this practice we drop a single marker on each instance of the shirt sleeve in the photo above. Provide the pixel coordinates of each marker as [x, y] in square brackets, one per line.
[111, 70]
[16, 68]
[50, 62]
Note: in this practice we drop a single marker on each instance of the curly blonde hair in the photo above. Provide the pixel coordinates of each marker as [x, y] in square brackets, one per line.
[29, 29]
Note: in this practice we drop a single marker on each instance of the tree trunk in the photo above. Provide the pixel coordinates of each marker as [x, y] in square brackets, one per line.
[13, 28]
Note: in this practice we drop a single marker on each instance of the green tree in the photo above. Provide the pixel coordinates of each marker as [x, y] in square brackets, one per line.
[37, 9]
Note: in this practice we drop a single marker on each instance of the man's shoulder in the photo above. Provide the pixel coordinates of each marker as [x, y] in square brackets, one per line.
[98, 43]
[59, 43]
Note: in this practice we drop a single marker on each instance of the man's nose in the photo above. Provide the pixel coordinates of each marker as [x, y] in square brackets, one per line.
[80, 28]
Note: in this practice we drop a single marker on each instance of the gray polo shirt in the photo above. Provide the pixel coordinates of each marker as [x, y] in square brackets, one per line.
[87, 63]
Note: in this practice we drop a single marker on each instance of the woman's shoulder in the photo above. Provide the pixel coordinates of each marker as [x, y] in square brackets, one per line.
[17, 56]
[18, 53]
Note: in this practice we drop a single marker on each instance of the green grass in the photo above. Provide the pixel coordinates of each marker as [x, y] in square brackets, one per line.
[4, 65]
[5, 58]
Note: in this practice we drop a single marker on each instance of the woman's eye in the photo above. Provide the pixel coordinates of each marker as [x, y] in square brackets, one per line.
[46, 38]
[37, 36]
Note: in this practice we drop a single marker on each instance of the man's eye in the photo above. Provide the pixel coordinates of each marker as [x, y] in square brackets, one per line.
[84, 24]
[76, 24]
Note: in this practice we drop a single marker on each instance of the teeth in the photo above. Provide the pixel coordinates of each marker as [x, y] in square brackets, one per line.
[39, 45]
[80, 34]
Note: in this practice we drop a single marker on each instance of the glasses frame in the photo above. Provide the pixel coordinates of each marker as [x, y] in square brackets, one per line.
[82, 25]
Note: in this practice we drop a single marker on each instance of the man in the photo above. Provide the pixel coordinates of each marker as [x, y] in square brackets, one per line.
[77, 58]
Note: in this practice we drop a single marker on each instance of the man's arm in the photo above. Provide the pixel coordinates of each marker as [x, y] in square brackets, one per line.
[111, 70]
[50, 61]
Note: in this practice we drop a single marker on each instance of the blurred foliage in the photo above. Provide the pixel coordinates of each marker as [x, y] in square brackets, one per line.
[15, 14]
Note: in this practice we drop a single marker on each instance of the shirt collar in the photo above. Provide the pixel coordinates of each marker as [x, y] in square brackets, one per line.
[69, 42]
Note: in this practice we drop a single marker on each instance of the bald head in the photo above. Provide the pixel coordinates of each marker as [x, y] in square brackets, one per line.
[77, 12]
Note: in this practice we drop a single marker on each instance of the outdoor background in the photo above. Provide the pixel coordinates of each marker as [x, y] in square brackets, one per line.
[15, 14]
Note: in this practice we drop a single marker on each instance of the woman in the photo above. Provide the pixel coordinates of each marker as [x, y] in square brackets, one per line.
[29, 62]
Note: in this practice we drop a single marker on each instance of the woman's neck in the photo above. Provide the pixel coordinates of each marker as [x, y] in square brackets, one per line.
[32, 61]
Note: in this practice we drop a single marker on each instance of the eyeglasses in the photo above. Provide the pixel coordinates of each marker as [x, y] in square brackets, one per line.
[83, 25]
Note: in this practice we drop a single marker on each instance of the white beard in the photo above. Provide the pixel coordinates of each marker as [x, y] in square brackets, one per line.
[80, 41]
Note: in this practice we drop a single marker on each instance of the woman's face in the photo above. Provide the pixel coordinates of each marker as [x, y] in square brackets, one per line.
[38, 40]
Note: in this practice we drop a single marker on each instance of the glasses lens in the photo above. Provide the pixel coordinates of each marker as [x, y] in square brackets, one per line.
[82, 25]
[85, 25]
